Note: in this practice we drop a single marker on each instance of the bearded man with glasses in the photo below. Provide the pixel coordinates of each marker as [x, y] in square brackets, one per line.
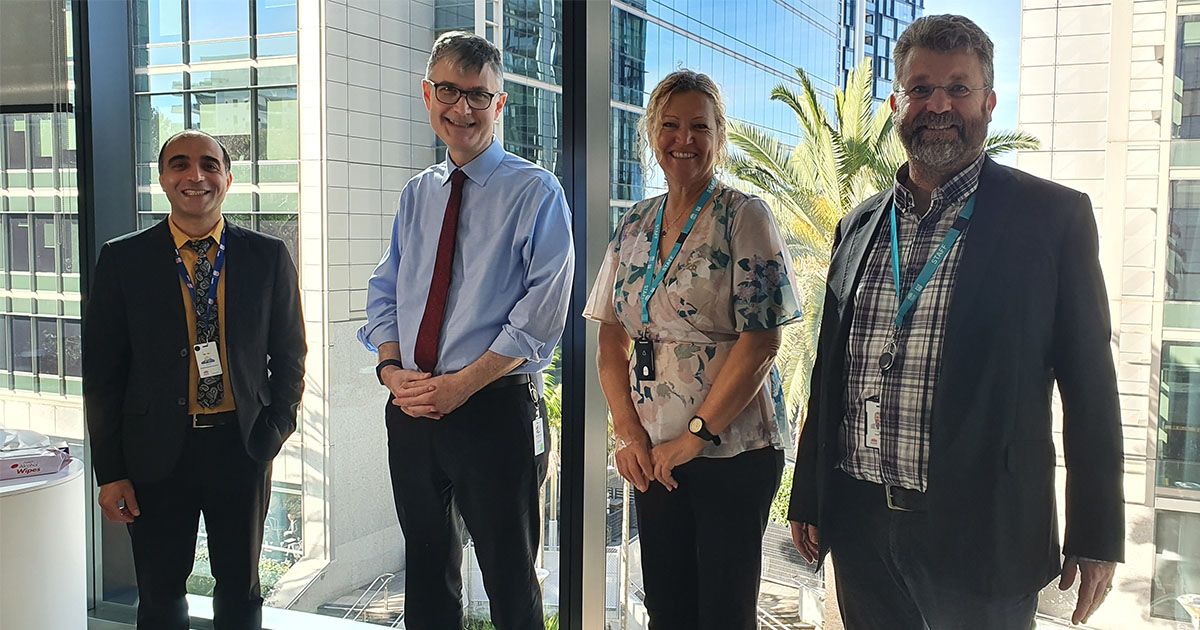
[464, 311]
[955, 301]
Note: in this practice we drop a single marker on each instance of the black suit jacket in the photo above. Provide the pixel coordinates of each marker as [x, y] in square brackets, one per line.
[1028, 309]
[136, 351]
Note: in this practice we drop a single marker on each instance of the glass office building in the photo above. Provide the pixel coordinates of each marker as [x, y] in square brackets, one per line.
[870, 29]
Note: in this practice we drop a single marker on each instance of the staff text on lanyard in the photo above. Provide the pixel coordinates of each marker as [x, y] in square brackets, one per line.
[888, 358]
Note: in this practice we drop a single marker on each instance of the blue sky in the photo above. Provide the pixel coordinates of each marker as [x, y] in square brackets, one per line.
[1001, 19]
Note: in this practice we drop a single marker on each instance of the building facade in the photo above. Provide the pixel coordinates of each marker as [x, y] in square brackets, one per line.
[870, 29]
[1110, 90]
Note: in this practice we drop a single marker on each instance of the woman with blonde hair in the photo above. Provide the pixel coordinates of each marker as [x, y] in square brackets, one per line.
[691, 297]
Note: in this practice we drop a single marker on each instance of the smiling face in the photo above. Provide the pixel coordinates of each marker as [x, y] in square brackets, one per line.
[685, 141]
[941, 132]
[466, 132]
[194, 178]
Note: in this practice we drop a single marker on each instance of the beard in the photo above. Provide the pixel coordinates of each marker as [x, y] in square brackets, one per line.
[947, 150]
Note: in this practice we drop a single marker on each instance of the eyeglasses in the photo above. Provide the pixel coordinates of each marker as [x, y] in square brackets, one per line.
[925, 92]
[451, 95]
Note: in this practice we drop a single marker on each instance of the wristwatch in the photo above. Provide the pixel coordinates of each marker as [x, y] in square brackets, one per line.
[385, 363]
[698, 428]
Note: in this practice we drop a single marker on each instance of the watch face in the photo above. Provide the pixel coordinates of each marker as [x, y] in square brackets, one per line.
[695, 425]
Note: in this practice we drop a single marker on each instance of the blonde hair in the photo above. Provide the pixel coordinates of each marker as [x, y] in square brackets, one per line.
[678, 82]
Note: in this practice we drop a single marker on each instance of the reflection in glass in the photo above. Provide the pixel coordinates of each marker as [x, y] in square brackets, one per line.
[278, 120]
[22, 344]
[18, 243]
[15, 135]
[225, 116]
[45, 244]
[72, 350]
[1179, 422]
[157, 21]
[1183, 242]
[1186, 123]
[275, 16]
[285, 227]
[5, 357]
[158, 118]
[1176, 563]
[47, 352]
[217, 19]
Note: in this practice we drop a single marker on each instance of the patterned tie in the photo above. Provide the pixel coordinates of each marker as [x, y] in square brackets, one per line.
[209, 390]
[430, 332]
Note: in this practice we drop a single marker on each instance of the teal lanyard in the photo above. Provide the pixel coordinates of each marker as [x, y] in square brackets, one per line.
[652, 279]
[931, 266]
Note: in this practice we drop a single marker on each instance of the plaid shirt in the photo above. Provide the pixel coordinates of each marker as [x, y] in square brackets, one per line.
[906, 390]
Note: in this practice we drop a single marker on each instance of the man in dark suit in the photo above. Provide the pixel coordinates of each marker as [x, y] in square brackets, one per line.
[193, 365]
[955, 300]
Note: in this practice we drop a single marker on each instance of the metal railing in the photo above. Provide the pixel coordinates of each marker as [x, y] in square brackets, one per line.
[364, 601]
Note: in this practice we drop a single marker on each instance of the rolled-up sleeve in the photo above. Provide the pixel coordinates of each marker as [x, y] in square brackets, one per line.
[381, 326]
[535, 323]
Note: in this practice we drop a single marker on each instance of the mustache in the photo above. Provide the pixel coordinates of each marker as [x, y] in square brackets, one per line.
[928, 119]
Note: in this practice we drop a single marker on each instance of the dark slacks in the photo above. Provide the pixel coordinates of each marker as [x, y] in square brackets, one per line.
[216, 477]
[883, 582]
[479, 461]
[702, 542]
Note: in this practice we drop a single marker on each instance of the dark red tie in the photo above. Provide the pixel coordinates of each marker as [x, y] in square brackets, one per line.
[430, 332]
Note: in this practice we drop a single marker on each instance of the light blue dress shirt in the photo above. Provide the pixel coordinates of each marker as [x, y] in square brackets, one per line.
[511, 278]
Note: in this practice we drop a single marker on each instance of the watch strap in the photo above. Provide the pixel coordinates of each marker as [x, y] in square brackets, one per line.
[385, 363]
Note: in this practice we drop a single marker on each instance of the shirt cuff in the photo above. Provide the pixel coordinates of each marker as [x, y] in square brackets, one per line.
[518, 344]
[373, 337]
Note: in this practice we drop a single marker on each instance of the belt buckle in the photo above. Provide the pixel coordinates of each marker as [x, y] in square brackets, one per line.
[887, 493]
[195, 418]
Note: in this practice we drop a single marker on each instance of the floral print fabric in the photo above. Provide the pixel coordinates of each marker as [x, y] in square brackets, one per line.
[732, 274]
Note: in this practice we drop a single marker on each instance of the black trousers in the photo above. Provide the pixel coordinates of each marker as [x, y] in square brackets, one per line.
[216, 477]
[479, 461]
[883, 582]
[702, 542]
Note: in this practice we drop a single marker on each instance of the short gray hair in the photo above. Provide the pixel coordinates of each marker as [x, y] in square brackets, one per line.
[945, 33]
[468, 51]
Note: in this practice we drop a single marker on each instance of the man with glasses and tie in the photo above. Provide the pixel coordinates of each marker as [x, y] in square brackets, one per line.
[956, 300]
[465, 310]
[193, 367]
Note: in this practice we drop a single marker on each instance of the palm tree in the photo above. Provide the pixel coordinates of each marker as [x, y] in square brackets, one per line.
[837, 164]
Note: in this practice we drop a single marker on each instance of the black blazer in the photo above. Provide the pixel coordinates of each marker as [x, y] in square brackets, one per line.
[1029, 308]
[136, 351]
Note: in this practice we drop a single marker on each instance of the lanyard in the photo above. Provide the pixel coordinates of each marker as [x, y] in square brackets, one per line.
[216, 275]
[931, 266]
[653, 280]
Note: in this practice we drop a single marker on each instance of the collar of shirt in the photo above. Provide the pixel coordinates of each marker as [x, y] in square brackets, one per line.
[478, 170]
[955, 190]
[181, 239]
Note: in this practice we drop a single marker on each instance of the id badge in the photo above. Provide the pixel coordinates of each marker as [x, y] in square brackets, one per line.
[539, 433]
[208, 359]
[643, 356]
[872, 413]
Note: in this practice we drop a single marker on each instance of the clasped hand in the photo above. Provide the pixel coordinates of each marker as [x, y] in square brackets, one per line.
[422, 395]
[640, 464]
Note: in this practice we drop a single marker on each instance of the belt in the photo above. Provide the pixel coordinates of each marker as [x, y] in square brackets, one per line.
[898, 498]
[509, 381]
[210, 420]
[903, 499]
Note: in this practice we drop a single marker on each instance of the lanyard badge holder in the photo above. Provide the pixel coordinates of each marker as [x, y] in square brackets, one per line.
[643, 346]
[891, 349]
[208, 360]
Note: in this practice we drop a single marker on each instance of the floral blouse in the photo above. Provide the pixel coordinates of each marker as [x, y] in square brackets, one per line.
[732, 274]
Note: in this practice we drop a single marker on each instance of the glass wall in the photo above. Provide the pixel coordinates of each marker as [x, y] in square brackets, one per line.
[226, 67]
[1179, 421]
[229, 68]
[1176, 565]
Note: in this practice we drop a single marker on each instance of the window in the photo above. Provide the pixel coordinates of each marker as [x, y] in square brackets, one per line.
[1179, 418]
[1176, 563]
[1182, 309]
